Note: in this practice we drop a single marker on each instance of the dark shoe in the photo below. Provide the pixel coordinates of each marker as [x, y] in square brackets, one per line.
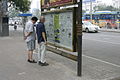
[31, 61]
[39, 62]
[43, 64]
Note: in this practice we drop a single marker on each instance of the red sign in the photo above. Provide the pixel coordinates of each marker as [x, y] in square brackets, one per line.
[53, 3]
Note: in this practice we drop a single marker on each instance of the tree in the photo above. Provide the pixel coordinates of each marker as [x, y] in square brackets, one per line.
[19, 5]
[103, 7]
[13, 12]
[83, 11]
[22, 5]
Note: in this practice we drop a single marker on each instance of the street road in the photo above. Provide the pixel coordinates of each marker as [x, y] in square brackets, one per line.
[102, 46]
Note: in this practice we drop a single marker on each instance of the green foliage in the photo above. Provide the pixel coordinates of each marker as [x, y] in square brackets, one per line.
[13, 12]
[83, 11]
[22, 5]
[103, 7]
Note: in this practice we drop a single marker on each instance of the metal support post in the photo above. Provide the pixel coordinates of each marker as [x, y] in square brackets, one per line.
[79, 39]
[91, 11]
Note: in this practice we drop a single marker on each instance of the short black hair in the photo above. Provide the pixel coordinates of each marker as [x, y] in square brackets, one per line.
[34, 18]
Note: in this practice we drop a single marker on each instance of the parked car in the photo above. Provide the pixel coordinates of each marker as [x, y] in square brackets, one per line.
[89, 27]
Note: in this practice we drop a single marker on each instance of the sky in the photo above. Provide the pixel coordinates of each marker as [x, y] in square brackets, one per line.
[35, 4]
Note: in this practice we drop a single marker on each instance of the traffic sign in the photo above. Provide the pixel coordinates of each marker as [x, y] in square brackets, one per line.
[24, 15]
[85, 1]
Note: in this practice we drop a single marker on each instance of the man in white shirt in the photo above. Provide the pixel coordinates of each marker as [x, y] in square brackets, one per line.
[30, 37]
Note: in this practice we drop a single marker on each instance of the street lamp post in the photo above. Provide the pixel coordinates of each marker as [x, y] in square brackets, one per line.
[91, 10]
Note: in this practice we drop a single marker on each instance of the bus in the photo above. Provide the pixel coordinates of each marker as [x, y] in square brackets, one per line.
[107, 19]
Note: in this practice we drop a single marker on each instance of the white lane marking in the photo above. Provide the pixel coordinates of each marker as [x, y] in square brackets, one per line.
[102, 41]
[117, 36]
[103, 35]
[110, 36]
[22, 73]
[102, 61]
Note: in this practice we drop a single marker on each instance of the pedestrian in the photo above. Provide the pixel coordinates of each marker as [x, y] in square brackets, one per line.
[42, 42]
[30, 37]
[15, 26]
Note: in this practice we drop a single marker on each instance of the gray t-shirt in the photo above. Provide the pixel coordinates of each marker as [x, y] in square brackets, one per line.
[29, 27]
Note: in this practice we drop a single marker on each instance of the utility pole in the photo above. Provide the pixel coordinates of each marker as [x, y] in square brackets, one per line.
[119, 4]
[0, 16]
[4, 28]
[91, 10]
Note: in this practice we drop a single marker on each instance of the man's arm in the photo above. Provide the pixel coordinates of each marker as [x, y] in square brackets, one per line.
[27, 34]
[44, 37]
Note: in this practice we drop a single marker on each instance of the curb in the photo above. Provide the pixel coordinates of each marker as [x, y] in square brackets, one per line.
[68, 54]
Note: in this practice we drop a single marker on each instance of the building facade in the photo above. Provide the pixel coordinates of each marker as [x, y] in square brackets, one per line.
[88, 6]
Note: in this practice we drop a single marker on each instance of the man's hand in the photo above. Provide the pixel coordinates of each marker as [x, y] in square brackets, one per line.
[25, 37]
[27, 34]
[45, 42]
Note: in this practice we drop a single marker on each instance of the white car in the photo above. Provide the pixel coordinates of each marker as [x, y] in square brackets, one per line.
[89, 27]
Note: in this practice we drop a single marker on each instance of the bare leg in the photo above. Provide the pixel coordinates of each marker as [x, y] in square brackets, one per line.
[30, 53]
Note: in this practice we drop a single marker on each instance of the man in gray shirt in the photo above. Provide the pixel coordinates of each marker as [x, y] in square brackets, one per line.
[30, 37]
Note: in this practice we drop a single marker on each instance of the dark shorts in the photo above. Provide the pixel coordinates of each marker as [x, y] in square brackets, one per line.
[31, 45]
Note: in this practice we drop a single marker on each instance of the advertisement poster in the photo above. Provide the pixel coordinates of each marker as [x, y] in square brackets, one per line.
[53, 3]
[59, 28]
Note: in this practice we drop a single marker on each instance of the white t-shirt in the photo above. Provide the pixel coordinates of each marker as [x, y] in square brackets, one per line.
[29, 27]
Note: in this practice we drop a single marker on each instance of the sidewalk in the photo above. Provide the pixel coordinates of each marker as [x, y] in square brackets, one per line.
[13, 64]
[110, 30]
